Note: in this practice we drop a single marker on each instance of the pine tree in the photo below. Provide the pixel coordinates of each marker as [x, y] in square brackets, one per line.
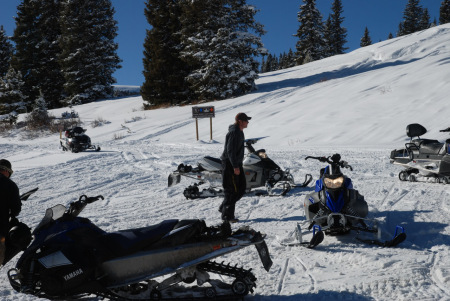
[6, 50]
[283, 61]
[245, 38]
[310, 44]
[434, 23]
[26, 37]
[164, 70]
[12, 100]
[263, 65]
[89, 53]
[365, 40]
[400, 28]
[444, 12]
[328, 38]
[51, 83]
[390, 36]
[40, 106]
[411, 18]
[425, 20]
[37, 50]
[269, 63]
[39, 116]
[290, 59]
[221, 40]
[275, 64]
[338, 33]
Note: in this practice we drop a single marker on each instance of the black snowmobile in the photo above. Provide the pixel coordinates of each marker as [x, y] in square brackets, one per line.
[75, 140]
[259, 169]
[335, 208]
[423, 158]
[71, 258]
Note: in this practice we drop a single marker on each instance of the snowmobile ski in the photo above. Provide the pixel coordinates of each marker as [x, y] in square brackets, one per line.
[318, 234]
[316, 239]
[287, 187]
[398, 238]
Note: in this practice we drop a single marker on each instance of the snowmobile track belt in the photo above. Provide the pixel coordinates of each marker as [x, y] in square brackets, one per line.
[226, 270]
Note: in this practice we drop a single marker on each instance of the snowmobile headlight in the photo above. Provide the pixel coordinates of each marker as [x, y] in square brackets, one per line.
[333, 183]
[262, 155]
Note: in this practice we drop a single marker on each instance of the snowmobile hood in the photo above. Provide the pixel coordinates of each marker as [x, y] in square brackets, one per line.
[335, 203]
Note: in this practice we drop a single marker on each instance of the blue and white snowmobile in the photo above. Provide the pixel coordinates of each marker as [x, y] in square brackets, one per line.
[259, 169]
[335, 208]
[423, 159]
[71, 258]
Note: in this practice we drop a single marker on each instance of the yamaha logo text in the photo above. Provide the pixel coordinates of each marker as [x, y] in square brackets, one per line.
[73, 274]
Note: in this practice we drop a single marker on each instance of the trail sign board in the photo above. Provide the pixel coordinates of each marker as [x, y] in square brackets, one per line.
[203, 112]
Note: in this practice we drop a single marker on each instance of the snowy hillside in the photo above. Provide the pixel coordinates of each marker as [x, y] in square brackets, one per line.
[357, 104]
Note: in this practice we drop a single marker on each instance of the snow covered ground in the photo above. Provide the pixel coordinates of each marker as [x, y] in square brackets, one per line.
[357, 104]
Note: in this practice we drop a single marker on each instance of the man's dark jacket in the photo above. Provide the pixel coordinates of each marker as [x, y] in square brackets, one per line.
[10, 204]
[234, 146]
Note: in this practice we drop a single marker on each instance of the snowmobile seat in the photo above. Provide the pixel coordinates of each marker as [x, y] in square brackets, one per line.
[420, 142]
[131, 240]
[168, 233]
[78, 131]
[210, 163]
[429, 146]
[183, 232]
[433, 148]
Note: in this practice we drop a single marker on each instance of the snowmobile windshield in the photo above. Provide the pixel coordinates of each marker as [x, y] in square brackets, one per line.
[51, 214]
[333, 183]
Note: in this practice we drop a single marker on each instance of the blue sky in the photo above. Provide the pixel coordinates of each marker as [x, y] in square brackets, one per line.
[279, 18]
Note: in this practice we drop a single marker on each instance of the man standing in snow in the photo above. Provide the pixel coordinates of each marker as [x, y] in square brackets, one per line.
[10, 204]
[233, 177]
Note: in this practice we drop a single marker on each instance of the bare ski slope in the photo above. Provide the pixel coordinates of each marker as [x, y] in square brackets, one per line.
[357, 104]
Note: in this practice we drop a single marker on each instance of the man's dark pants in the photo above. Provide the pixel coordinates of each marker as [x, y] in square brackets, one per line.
[234, 188]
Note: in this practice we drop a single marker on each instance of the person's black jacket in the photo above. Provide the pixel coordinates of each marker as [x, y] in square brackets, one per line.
[10, 204]
[234, 146]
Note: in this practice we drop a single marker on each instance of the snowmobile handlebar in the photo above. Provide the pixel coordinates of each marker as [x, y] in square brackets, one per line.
[321, 159]
[335, 159]
[76, 207]
[88, 200]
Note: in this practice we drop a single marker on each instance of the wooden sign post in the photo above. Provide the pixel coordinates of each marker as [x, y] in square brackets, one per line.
[203, 112]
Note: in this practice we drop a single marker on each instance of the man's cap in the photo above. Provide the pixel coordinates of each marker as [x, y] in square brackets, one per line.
[6, 165]
[242, 116]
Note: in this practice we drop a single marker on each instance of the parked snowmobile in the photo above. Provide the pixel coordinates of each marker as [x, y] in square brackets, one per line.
[75, 140]
[259, 169]
[423, 158]
[70, 258]
[335, 208]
